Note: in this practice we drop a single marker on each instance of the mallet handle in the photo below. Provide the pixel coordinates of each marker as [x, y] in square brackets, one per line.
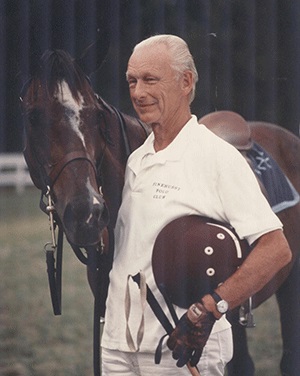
[193, 370]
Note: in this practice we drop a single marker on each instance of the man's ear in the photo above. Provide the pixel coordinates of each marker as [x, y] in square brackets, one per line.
[187, 81]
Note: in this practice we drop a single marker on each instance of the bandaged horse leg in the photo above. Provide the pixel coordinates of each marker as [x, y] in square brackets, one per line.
[241, 363]
[288, 297]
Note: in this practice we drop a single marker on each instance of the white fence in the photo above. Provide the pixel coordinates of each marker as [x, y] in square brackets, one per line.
[14, 171]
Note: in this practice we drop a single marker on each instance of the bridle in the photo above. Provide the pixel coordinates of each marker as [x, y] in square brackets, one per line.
[54, 265]
[72, 156]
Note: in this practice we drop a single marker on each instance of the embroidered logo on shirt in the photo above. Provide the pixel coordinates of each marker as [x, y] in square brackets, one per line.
[162, 190]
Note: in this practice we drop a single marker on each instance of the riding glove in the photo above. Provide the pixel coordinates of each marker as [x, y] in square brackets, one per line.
[191, 334]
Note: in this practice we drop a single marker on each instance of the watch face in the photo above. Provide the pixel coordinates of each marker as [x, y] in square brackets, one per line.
[222, 306]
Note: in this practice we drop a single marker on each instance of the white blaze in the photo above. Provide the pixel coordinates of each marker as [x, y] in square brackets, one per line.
[64, 96]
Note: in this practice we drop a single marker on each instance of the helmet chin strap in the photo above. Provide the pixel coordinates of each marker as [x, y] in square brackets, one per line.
[147, 294]
[143, 297]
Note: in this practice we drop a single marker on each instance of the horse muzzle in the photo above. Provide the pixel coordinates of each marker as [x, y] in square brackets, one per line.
[83, 220]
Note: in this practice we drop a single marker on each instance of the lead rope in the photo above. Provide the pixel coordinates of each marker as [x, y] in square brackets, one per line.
[143, 297]
[54, 267]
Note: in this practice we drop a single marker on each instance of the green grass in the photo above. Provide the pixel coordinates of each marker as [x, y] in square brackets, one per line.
[34, 342]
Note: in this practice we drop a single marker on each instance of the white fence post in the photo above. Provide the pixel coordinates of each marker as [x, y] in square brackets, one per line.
[14, 171]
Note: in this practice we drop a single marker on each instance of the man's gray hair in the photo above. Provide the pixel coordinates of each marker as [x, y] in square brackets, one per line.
[182, 60]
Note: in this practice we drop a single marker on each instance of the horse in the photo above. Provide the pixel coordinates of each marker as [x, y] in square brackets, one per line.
[284, 147]
[76, 143]
[76, 147]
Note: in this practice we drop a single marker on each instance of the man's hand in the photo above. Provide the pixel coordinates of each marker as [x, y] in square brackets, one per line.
[191, 334]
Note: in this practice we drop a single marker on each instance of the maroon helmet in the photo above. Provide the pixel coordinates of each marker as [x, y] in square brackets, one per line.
[192, 255]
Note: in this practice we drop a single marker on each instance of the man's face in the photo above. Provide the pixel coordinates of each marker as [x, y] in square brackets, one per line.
[156, 92]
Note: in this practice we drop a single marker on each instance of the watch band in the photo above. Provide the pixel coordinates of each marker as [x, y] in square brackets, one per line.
[216, 297]
[221, 304]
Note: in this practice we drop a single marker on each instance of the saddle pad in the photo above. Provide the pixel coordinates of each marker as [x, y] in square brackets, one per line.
[281, 192]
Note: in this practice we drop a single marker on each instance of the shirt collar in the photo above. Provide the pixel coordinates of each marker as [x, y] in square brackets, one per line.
[172, 152]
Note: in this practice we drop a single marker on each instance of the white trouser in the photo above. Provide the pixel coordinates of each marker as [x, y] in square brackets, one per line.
[216, 354]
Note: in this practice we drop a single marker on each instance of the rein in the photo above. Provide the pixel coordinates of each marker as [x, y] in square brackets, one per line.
[54, 265]
[54, 269]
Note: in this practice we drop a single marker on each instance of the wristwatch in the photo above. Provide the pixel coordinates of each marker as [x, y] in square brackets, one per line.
[221, 304]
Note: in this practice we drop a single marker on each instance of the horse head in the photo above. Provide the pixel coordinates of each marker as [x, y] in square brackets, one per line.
[61, 115]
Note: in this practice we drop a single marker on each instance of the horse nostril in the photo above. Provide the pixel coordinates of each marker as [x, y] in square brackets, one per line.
[99, 215]
[97, 212]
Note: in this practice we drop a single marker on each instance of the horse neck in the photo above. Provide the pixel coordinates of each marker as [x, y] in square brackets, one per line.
[127, 134]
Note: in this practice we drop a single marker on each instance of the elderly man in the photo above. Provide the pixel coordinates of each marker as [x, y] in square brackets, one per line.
[205, 176]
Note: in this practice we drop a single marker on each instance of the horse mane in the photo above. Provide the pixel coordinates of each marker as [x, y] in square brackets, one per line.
[57, 66]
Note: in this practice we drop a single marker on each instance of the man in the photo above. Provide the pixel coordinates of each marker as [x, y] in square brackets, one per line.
[181, 169]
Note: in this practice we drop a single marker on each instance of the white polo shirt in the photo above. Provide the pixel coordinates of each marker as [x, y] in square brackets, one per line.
[198, 173]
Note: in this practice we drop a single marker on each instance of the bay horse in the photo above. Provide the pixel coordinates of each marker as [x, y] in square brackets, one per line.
[76, 143]
[76, 147]
[284, 147]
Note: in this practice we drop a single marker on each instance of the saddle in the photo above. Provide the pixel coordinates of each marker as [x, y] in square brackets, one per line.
[230, 126]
